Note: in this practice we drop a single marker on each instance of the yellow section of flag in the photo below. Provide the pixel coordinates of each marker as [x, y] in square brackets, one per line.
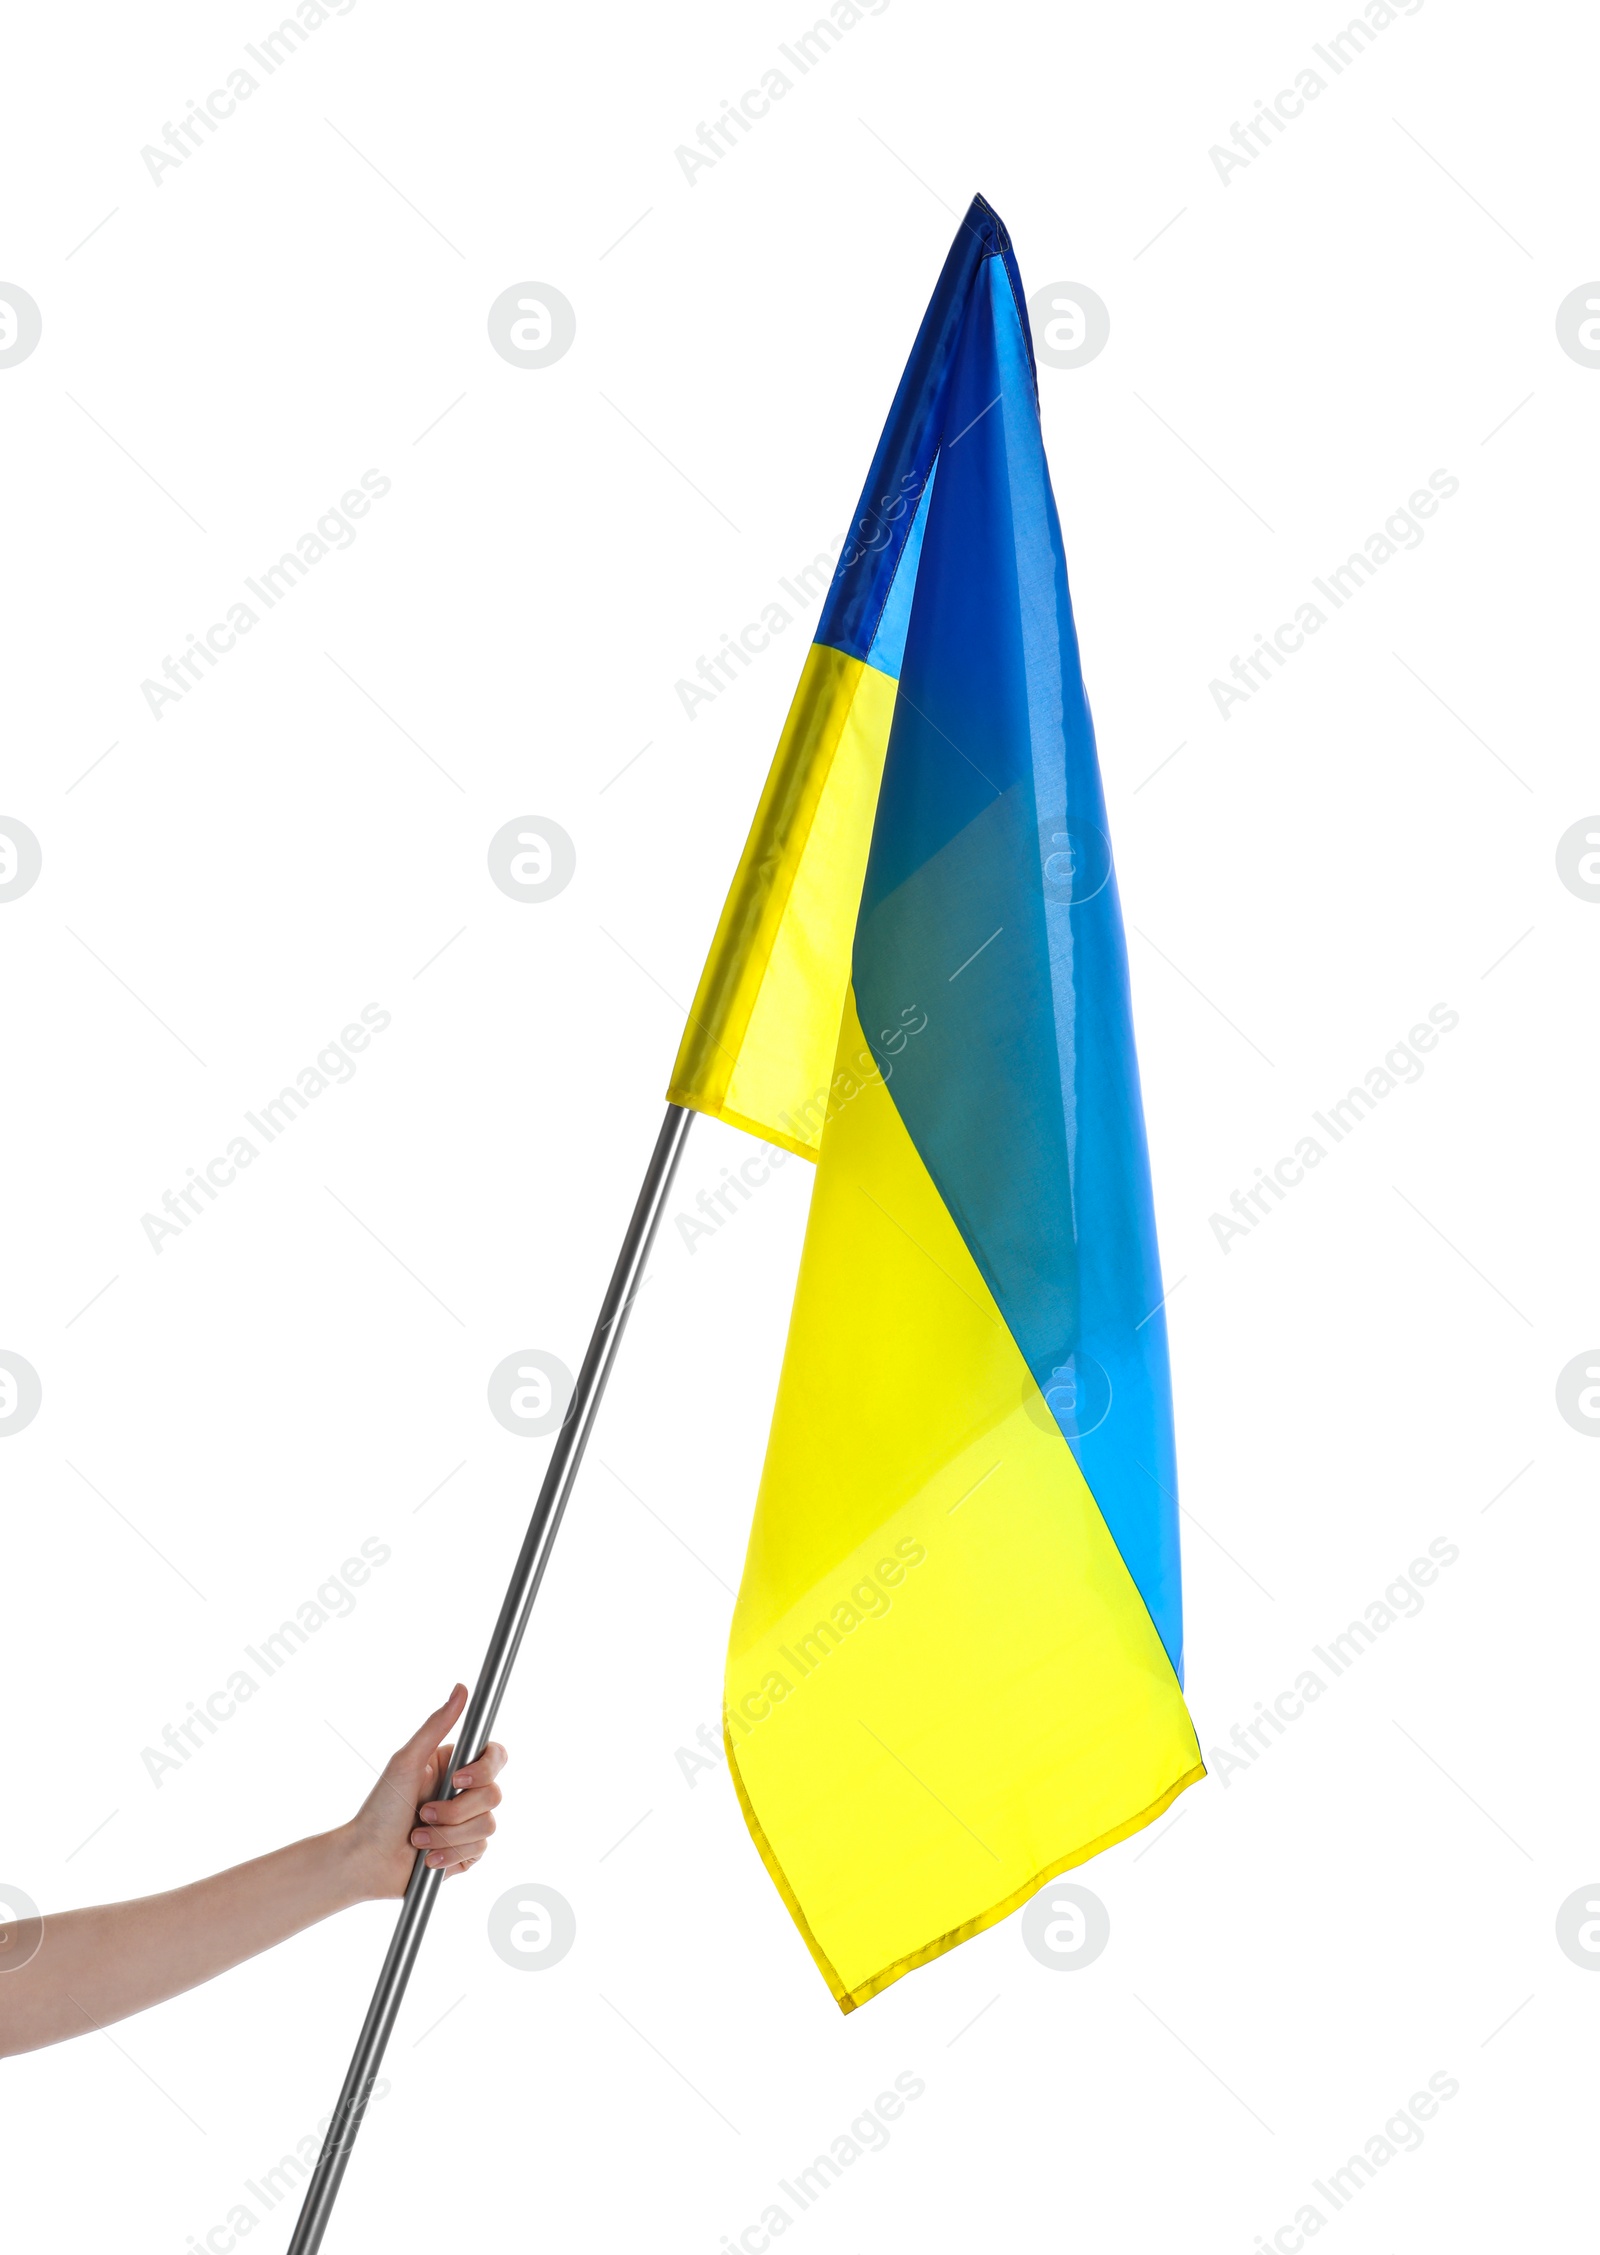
[758, 1050]
[943, 1686]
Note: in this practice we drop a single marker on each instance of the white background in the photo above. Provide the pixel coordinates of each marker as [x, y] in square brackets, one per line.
[1375, 1897]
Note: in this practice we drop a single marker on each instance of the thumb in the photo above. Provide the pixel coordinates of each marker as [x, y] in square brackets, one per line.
[427, 1737]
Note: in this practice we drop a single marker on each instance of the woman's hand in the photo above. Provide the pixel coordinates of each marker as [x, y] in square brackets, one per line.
[397, 1818]
[100, 1964]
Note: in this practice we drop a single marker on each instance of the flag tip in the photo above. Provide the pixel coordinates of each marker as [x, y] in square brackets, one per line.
[986, 222]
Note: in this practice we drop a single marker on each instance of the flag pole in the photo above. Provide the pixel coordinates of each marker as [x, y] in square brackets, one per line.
[560, 1476]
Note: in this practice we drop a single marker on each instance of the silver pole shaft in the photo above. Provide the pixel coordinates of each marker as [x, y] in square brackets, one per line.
[509, 1629]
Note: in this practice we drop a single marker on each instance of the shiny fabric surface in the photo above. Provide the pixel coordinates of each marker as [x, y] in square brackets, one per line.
[954, 1665]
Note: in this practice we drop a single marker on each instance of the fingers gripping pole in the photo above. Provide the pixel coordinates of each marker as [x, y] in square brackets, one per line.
[509, 1629]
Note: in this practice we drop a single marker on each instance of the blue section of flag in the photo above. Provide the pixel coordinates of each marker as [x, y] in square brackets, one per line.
[991, 904]
[869, 561]
[889, 642]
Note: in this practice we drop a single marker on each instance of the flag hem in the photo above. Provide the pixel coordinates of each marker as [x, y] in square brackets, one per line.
[680, 1094]
[849, 1999]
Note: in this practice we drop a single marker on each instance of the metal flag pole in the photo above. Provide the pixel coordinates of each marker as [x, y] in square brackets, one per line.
[478, 1722]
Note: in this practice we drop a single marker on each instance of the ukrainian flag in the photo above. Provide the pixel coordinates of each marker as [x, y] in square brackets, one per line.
[955, 1663]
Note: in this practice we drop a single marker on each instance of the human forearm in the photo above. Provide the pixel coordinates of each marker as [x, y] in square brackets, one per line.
[98, 1965]
[95, 1966]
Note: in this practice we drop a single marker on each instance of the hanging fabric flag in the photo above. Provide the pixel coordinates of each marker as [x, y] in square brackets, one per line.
[956, 1658]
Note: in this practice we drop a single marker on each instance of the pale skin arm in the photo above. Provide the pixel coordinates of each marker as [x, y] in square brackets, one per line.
[96, 1966]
